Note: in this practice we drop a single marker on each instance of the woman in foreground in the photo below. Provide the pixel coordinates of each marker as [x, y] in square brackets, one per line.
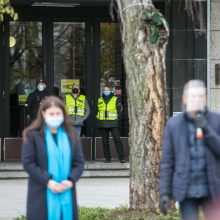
[52, 157]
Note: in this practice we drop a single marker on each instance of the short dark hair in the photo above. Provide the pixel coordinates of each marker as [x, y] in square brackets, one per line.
[107, 85]
[40, 81]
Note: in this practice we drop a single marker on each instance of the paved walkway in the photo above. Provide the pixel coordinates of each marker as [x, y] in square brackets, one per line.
[104, 192]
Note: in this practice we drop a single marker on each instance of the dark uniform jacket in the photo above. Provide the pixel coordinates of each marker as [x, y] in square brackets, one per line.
[175, 165]
[111, 123]
[198, 182]
[35, 163]
[33, 102]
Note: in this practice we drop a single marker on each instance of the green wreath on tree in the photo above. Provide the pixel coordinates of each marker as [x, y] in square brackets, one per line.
[153, 23]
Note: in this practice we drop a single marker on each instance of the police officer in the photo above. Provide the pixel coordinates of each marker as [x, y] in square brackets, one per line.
[34, 99]
[77, 107]
[109, 111]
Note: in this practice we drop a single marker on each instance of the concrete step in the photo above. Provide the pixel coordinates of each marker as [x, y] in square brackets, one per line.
[14, 170]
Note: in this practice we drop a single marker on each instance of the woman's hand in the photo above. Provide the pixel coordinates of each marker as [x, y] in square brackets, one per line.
[67, 184]
[55, 187]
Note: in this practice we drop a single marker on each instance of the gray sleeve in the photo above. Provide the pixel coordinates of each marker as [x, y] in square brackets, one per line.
[119, 108]
[87, 110]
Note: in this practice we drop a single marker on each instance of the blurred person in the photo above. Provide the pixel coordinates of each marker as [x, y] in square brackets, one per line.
[191, 155]
[53, 159]
[109, 112]
[213, 210]
[35, 98]
[56, 92]
[77, 107]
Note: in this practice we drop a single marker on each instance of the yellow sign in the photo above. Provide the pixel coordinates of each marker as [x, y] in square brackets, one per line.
[22, 99]
[67, 84]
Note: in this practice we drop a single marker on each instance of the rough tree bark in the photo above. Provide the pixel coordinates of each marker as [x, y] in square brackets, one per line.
[144, 35]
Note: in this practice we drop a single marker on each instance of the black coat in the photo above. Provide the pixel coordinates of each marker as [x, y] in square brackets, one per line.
[175, 165]
[35, 163]
[33, 102]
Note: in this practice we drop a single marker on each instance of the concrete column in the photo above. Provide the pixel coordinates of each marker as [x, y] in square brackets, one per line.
[214, 54]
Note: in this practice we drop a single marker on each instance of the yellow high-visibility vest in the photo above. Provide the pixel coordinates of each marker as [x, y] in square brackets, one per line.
[107, 111]
[75, 106]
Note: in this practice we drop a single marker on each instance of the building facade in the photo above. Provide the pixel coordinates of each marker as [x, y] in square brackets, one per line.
[65, 41]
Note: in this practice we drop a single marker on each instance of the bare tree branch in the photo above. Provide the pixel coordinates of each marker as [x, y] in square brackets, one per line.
[195, 10]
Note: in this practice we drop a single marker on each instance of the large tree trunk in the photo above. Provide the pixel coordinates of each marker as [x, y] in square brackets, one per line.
[144, 35]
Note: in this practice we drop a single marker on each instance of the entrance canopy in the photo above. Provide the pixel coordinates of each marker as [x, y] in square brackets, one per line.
[64, 3]
[61, 3]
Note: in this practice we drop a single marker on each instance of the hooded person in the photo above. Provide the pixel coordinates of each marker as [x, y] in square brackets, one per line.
[35, 98]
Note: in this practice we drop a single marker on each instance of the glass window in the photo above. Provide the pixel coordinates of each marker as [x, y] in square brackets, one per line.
[69, 56]
[25, 69]
[108, 55]
[111, 67]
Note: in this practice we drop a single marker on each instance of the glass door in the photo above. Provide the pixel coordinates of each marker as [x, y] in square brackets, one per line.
[87, 52]
[69, 55]
[26, 67]
[111, 67]
[69, 58]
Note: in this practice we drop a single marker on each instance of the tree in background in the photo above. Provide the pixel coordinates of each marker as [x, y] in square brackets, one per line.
[7, 9]
[145, 36]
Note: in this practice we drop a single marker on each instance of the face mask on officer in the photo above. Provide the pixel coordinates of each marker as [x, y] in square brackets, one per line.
[106, 93]
[40, 87]
[27, 91]
[75, 90]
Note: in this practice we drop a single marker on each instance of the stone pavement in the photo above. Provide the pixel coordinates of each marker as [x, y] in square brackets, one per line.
[92, 192]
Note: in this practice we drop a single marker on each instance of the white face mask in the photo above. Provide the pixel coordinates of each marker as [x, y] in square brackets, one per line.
[27, 91]
[40, 88]
[54, 122]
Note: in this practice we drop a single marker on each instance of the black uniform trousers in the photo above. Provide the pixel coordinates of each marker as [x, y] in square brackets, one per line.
[117, 141]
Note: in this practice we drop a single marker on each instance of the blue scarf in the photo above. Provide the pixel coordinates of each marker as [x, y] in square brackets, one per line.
[59, 162]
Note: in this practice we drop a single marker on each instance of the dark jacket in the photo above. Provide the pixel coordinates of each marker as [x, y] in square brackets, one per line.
[175, 165]
[111, 123]
[35, 163]
[198, 182]
[33, 102]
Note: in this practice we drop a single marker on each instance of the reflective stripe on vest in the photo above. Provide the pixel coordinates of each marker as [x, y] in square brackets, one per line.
[75, 106]
[107, 111]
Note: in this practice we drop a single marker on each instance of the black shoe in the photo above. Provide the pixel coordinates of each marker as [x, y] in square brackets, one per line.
[122, 161]
[107, 161]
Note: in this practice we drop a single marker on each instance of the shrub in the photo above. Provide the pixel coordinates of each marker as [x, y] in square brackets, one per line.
[121, 213]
